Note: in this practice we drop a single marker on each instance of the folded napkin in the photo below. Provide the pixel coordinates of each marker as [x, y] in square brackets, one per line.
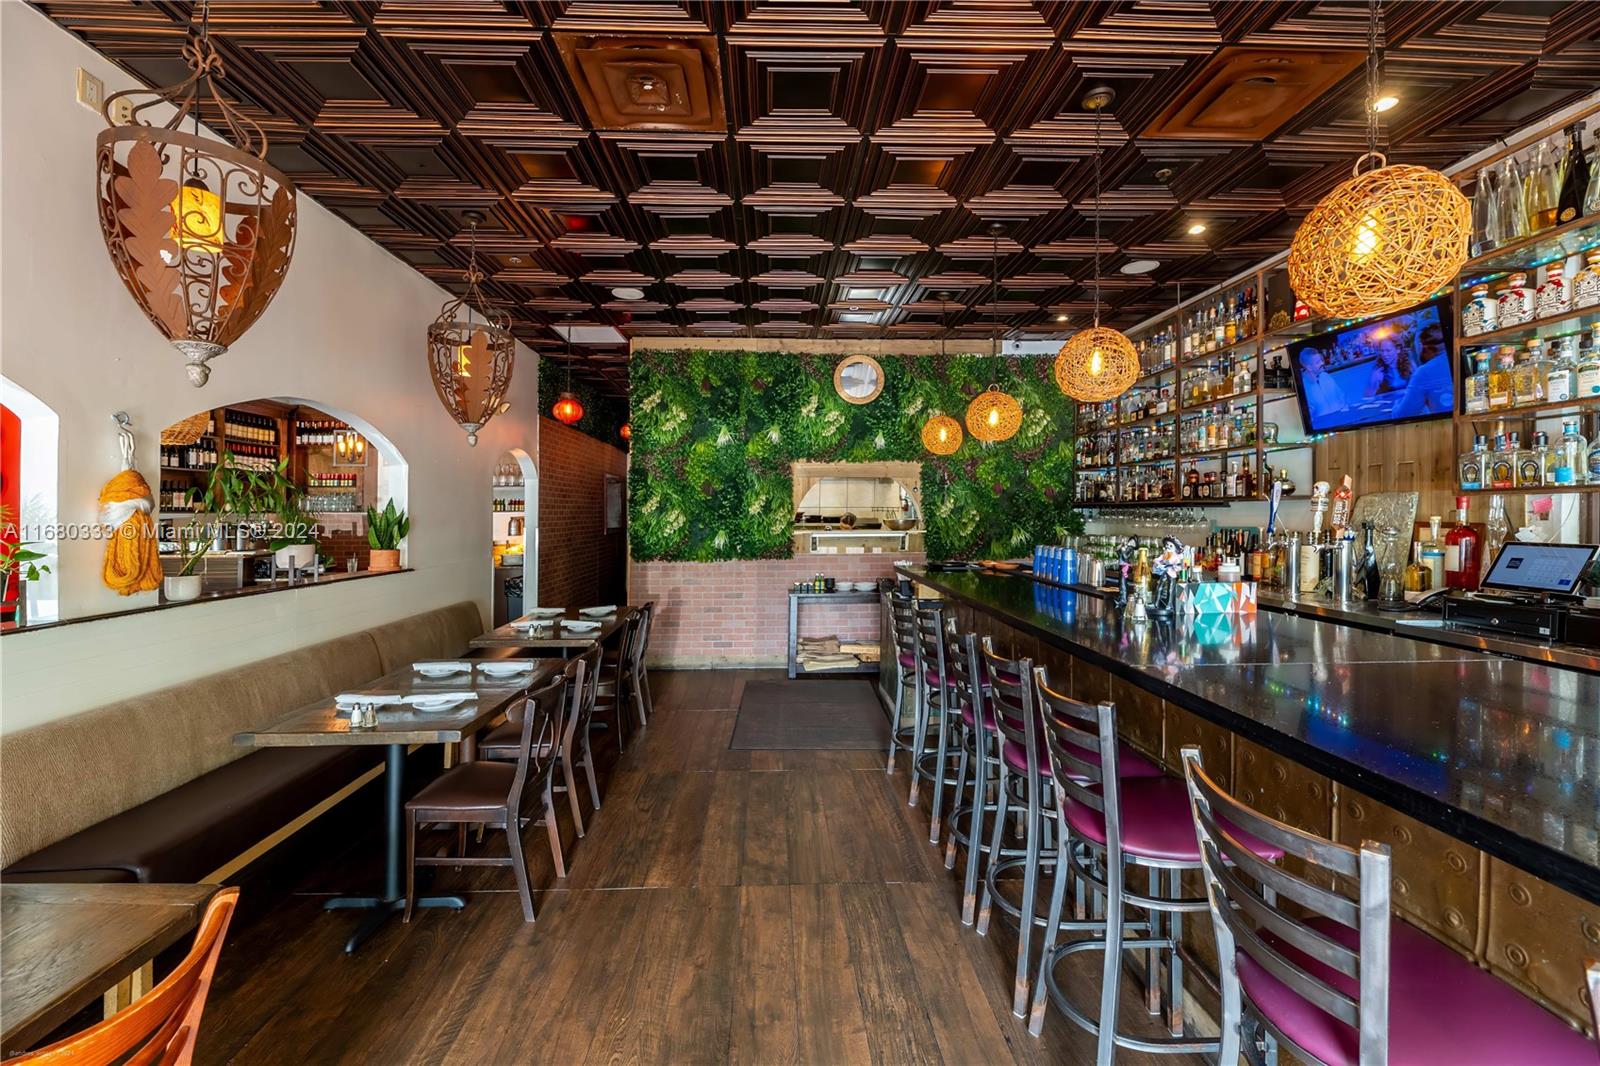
[346, 700]
[597, 612]
[440, 666]
[431, 697]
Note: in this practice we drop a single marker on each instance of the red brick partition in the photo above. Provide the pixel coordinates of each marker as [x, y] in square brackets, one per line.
[580, 564]
[736, 613]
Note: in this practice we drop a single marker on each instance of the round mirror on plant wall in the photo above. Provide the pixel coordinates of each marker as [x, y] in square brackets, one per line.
[252, 491]
[858, 379]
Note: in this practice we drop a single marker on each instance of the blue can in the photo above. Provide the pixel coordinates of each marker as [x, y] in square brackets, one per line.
[1069, 566]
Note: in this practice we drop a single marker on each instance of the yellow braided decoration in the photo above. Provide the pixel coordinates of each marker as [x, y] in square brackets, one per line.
[133, 557]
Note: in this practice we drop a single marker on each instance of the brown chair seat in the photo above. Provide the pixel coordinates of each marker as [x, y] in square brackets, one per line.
[183, 835]
[501, 742]
[473, 786]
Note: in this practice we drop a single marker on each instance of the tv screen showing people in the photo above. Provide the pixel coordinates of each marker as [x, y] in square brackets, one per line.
[1395, 369]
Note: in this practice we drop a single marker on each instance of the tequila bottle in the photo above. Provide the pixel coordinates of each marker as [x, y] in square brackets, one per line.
[1572, 464]
[1541, 188]
[1474, 464]
[1528, 376]
[1553, 297]
[1482, 314]
[1587, 373]
[1499, 389]
[1503, 464]
[1477, 386]
[1431, 551]
[1549, 458]
[1560, 378]
[1586, 286]
[1516, 302]
[1529, 464]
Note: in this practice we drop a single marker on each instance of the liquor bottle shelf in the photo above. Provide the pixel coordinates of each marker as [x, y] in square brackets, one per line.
[1553, 409]
[1576, 236]
[1586, 317]
[1200, 357]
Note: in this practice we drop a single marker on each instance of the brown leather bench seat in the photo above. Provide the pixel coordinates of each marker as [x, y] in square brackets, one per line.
[152, 788]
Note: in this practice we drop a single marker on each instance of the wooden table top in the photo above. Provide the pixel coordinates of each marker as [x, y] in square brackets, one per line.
[64, 945]
[322, 724]
[507, 636]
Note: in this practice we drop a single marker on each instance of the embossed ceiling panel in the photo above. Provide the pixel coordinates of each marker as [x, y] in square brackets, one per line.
[816, 168]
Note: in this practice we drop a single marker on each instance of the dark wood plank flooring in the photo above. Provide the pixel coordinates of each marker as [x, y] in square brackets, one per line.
[726, 906]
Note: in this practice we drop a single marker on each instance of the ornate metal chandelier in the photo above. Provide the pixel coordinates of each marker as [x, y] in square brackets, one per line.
[200, 231]
[1098, 363]
[1382, 240]
[470, 357]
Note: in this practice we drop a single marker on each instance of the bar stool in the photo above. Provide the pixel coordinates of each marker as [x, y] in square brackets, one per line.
[1348, 985]
[1106, 823]
[980, 756]
[1025, 775]
[931, 761]
[903, 637]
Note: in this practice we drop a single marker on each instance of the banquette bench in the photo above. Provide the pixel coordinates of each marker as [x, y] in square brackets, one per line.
[151, 788]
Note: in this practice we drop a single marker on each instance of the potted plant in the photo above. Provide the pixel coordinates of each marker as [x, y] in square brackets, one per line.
[272, 492]
[193, 541]
[19, 564]
[385, 530]
[233, 492]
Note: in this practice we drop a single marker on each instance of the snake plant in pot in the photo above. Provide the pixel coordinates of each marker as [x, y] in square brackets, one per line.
[385, 530]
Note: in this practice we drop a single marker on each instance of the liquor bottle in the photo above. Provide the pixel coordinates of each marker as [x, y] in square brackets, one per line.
[1529, 463]
[1461, 560]
[1485, 214]
[1553, 296]
[1516, 302]
[1528, 376]
[1541, 187]
[1593, 462]
[1502, 464]
[1587, 373]
[1560, 380]
[1586, 285]
[1433, 554]
[1474, 464]
[1550, 456]
[1481, 315]
[1477, 386]
[1575, 181]
[1591, 202]
[1499, 388]
[1513, 208]
[1418, 576]
[1571, 465]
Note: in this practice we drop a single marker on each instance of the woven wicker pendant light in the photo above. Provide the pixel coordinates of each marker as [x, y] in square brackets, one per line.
[1385, 239]
[200, 230]
[942, 434]
[994, 415]
[471, 358]
[1098, 363]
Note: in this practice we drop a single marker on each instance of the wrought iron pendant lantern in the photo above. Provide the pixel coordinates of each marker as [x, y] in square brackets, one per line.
[471, 354]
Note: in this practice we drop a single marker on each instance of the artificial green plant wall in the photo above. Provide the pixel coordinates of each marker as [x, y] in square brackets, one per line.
[715, 432]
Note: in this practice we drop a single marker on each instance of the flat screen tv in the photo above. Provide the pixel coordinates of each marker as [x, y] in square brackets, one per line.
[1400, 368]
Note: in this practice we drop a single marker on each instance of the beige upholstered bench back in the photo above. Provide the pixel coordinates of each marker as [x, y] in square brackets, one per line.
[61, 777]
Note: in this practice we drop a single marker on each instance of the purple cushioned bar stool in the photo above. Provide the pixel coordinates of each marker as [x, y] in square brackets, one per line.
[1337, 980]
[1108, 826]
[934, 759]
[903, 636]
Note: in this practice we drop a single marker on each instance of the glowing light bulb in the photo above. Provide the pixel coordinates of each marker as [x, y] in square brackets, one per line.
[463, 362]
[1366, 238]
[1097, 363]
[944, 434]
[994, 416]
[197, 218]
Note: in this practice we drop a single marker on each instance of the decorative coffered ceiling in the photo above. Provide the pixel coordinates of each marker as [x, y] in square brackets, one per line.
[798, 168]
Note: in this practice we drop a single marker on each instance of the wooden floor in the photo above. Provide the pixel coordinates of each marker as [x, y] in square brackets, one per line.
[726, 906]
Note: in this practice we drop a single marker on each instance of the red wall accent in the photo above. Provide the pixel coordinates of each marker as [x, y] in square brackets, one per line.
[580, 564]
[10, 483]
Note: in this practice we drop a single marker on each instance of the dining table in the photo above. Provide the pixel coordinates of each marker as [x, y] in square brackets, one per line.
[398, 728]
[558, 638]
[64, 945]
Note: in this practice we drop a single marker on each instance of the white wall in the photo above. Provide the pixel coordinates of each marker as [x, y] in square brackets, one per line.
[347, 329]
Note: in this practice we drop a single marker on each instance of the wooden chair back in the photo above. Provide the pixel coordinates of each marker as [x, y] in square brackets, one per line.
[160, 1028]
[538, 749]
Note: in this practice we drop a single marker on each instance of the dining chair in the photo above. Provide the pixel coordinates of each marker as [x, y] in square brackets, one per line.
[1316, 959]
[504, 741]
[641, 673]
[616, 672]
[161, 1026]
[499, 795]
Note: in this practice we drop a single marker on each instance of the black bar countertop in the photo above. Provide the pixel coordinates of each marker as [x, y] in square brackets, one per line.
[1499, 753]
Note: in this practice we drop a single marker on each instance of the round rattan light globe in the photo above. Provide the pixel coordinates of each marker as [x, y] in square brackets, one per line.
[994, 416]
[942, 435]
[1097, 364]
[1382, 241]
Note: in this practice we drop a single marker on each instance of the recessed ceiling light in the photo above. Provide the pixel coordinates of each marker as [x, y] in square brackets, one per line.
[1140, 266]
[1196, 228]
[1384, 103]
[516, 259]
[1061, 318]
[628, 294]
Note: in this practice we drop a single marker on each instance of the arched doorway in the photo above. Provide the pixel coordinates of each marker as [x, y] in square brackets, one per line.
[29, 445]
[515, 503]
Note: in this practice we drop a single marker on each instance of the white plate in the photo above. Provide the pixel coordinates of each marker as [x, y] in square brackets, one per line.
[597, 612]
[442, 669]
[512, 669]
[437, 703]
[581, 627]
[544, 612]
[534, 625]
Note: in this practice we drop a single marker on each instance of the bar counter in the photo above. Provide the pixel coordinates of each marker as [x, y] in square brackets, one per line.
[1500, 754]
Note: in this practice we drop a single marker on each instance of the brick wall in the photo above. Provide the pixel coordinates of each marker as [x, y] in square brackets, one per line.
[737, 613]
[579, 563]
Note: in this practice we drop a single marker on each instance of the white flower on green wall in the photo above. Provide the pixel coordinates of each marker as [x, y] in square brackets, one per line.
[724, 438]
[648, 403]
[775, 434]
[809, 408]
[879, 442]
[720, 541]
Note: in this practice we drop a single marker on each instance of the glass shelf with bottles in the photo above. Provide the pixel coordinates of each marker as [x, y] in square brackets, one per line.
[1220, 426]
[1217, 378]
[1218, 323]
[1139, 405]
[1536, 205]
[1158, 350]
[1145, 483]
[1095, 486]
[1540, 374]
[1559, 296]
[1146, 444]
[1232, 479]
[1097, 451]
[1518, 460]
